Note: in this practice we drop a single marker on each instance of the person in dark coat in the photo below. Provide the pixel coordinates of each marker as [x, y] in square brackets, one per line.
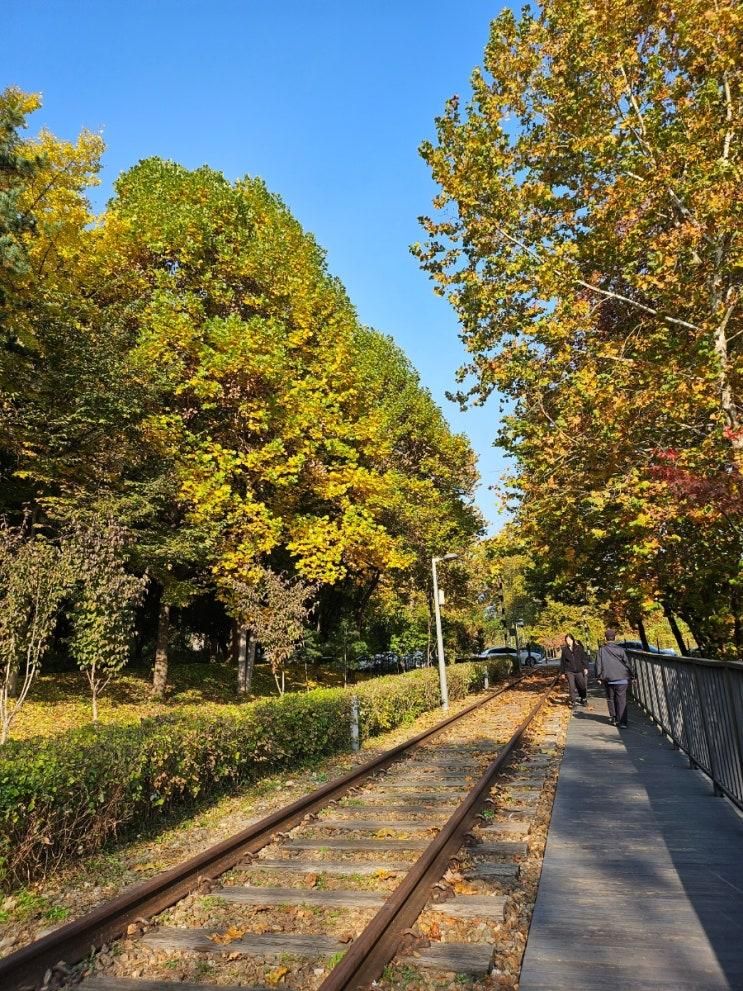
[614, 669]
[574, 665]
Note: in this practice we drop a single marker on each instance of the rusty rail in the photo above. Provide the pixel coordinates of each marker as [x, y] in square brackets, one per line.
[376, 945]
[72, 942]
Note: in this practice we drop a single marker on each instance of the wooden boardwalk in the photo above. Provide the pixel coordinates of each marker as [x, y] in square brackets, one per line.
[642, 886]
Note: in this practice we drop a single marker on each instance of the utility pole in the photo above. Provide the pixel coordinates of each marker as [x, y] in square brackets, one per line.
[439, 634]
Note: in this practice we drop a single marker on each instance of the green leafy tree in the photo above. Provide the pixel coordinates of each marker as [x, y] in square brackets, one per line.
[347, 646]
[104, 600]
[275, 609]
[34, 578]
[16, 169]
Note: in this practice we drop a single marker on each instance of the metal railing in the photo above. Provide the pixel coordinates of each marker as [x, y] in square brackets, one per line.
[698, 704]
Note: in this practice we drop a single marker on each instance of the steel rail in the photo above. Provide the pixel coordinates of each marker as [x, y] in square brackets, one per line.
[73, 941]
[377, 944]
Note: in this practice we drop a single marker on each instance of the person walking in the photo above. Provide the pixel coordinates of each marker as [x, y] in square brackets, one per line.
[614, 669]
[574, 665]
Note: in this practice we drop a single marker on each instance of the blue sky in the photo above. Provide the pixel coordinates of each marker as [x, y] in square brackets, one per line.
[326, 100]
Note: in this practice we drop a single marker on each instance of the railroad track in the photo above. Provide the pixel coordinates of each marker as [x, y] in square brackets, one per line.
[328, 905]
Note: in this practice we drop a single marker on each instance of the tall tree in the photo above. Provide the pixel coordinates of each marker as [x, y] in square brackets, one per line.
[34, 577]
[591, 245]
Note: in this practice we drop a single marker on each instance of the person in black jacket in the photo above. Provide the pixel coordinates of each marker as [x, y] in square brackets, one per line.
[614, 668]
[574, 665]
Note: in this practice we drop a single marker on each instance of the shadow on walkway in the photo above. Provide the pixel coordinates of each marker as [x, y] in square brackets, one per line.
[642, 886]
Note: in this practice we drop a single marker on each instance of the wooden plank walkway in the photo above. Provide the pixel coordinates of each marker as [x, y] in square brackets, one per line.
[642, 885]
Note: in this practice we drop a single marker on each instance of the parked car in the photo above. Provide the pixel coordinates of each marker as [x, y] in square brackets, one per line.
[532, 654]
[490, 652]
[637, 645]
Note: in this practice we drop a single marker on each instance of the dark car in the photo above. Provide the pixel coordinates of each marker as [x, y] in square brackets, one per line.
[637, 645]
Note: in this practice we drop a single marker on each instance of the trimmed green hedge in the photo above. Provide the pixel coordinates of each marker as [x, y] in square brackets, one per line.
[61, 798]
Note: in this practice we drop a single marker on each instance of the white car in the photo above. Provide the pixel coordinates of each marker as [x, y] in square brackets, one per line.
[532, 655]
[491, 652]
[526, 655]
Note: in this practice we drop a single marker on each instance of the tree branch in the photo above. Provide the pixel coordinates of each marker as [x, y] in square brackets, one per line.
[608, 293]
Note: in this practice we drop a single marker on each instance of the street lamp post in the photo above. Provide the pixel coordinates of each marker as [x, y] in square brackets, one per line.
[439, 635]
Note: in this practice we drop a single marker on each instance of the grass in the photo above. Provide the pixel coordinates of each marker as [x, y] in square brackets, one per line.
[211, 901]
[203, 968]
[60, 702]
[400, 976]
[26, 904]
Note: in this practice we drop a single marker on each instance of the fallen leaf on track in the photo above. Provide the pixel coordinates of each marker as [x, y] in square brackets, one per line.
[274, 977]
[463, 888]
[228, 936]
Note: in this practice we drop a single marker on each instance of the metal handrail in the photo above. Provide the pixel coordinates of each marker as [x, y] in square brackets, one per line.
[697, 702]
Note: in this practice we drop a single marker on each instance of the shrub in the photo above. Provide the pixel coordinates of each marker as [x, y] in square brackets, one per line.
[385, 703]
[64, 798]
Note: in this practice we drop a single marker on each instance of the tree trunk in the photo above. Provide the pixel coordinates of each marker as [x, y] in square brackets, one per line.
[235, 641]
[363, 600]
[242, 660]
[738, 631]
[675, 629]
[14, 678]
[696, 630]
[643, 634]
[160, 670]
[250, 665]
[95, 708]
[727, 398]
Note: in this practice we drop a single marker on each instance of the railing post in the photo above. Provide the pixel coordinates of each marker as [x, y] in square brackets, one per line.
[736, 725]
[655, 697]
[668, 705]
[712, 768]
[686, 741]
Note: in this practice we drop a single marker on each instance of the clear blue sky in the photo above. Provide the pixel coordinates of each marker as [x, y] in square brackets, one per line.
[327, 100]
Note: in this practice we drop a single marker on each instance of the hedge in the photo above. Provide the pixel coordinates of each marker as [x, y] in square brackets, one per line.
[65, 797]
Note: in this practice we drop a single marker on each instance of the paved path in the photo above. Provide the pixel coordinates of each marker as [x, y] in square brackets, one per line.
[642, 886]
